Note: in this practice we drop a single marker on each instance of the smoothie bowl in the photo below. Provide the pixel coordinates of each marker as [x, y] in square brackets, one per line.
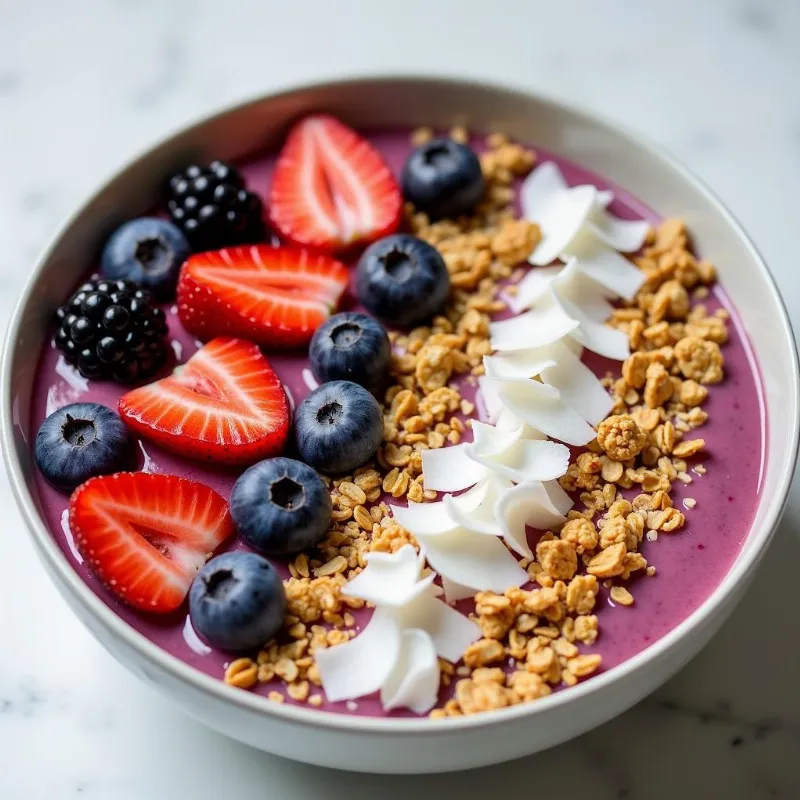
[401, 425]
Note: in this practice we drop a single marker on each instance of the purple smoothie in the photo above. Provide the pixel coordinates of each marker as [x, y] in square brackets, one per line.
[690, 564]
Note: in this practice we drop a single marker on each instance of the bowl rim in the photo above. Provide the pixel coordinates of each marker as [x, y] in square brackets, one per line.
[319, 718]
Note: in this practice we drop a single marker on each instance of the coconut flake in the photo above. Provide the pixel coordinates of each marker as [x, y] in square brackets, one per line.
[542, 408]
[362, 665]
[487, 395]
[396, 652]
[578, 386]
[605, 197]
[489, 440]
[541, 185]
[624, 235]
[427, 518]
[391, 580]
[528, 460]
[450, 631]
[560, 213]
[596, 336]
[519, 363]
[451, 469]
[472, 559]
[533, 287]
[605, 265]
[414, 682]
[509, 421]
[474, 510]
[535, 328]
[526, 505]
[455, 591]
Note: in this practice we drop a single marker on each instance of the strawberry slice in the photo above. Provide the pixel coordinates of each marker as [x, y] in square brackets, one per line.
[225, 405]
[331, 188]
[275, 296]
[146, 536]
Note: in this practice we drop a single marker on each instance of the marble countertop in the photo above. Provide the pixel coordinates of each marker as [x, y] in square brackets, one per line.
[84, 84]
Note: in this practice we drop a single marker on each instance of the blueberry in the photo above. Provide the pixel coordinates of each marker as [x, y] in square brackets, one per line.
[443, 178]
[281, 506]
[80, 441]
[350, 346]
[402, 279]
[338, 427]
[237, 602]
[147, 251]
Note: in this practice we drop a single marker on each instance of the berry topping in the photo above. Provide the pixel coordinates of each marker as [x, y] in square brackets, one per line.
[331, 188]
[351, 346]
[112, 329]
[237, 602]
[147, 251]
[338, 427]
[402, 279]
[281, 506]
[146, 535]
[80, 441]
[275, 296]
[443, 178]
[212, 207]
[224, 405]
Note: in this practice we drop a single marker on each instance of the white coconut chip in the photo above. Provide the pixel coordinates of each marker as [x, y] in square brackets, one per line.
[391, 579]
[450, 631]
[526, 505]
[414, 682]
[578, 385]
[560, 215]
[596, 336]
[624, 235]
[528, 460]
[474, 510]
[605, 265]
[362, 665]
[543, 408]
[536, 328]
[450, 469]
[472, 559]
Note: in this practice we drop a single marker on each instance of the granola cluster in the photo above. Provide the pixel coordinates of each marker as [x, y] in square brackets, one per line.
[531, 639]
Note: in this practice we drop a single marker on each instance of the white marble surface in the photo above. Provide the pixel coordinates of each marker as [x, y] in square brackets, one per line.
[84, 84]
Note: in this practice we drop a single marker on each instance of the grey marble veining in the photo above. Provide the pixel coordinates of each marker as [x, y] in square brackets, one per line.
[85, 84]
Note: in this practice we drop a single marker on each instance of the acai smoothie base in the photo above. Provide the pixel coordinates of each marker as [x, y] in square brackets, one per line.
[664, 498]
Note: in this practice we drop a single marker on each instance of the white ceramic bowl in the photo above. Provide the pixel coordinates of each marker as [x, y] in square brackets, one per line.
[412, 745]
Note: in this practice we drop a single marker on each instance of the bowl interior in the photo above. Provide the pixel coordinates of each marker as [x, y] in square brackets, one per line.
[623, 159]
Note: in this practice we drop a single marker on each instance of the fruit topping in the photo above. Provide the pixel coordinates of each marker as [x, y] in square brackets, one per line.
[331, 188]
[350, 346]
[443, 179]
[402, 279]
[275, 296]
[147, 251]
[213, 208]
[79, 441]
[112, 329]
[146, 535]
[281, 506]
[338, 427]
[225, 405]
[237, 602]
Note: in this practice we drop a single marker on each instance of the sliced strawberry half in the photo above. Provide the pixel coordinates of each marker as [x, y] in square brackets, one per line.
[275, 296]
[331, 188]
[225, 405]
[146, 535]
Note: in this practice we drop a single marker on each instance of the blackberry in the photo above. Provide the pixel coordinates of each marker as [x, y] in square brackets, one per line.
[112, 329]
[213, 208]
